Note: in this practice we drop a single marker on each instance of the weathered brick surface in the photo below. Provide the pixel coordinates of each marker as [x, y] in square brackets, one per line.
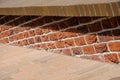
[88, 50]
[69, 42]
[95, 38]
[105, 36]
[100, 48]
[111, 58]
[80, 41]
[60, 44]
[114, 46]
[91, 38]
[77, 51]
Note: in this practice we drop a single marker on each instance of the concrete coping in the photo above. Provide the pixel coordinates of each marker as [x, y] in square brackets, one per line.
[60, 7]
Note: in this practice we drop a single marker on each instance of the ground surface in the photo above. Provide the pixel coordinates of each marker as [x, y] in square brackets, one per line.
[18, 63]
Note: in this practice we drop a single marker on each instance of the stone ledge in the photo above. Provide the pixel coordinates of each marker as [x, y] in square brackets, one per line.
[61, 8]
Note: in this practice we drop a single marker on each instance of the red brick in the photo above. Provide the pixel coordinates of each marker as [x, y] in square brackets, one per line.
[31, 41]
[61, 35]
[79, 41]
[46, 29]
[20, 36]
[114, 46]
[13, 38]
[82, 30]
[113, 22]
[95, 27]
[60, 44]
[25, 34]
[105, 36]
[71, 32]
[25, 42]
[37, 39]
[66, 51]
[77, 50]
[5, 40]
[100, 48]
[88, 50]
[69, 42]
[92, 38]
[52, 37]
[54, 27]
[32, 33]
[6, 33]
[45, 38]
[3, 28]
[38, 31]
[111, 58]
[51, 45]
[116, 34]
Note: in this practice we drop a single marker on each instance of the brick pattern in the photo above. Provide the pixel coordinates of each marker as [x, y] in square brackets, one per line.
[96, 38]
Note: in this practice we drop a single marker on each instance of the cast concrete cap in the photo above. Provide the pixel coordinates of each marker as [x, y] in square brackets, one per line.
[18, 63]
[60, 7]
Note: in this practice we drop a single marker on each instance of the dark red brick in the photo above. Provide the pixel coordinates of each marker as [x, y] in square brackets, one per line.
[105, 36]
[84, 19]
[109, 23]
[71, 32]
[116, 34]
[95, 27]
[54, 27]
[82, 30]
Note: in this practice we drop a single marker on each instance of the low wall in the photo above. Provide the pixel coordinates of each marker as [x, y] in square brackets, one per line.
[96, 38]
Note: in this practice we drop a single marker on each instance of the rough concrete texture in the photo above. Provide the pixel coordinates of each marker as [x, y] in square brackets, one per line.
[18, 63]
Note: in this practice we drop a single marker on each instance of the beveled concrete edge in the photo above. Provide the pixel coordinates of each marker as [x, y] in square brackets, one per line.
[103, 9]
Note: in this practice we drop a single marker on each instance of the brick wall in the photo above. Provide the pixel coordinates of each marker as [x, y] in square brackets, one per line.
[96, 38]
